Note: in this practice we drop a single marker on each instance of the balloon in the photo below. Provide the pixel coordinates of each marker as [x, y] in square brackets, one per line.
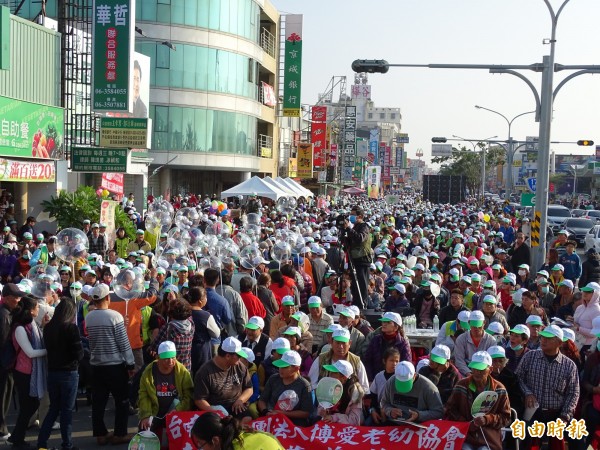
[242, 240]
[480, 215]
[105, 193]
[329, 392]
[253, 219]
[179, 234]
[286, 205]
[281, 251]
[187, 218]
[99, 192]
[145, 440]
[486, 218]
[42, 277]
[128, 284]
[250, 256]
[71, 244]
[217, 229]
[171, 253]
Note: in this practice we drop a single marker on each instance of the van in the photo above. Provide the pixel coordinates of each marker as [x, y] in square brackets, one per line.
[557, 215]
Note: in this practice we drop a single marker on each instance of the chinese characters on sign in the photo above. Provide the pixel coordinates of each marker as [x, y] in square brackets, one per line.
[576, 429]
[305, 160]
[437, 435]
[318, 134]
[96, 159]
[123, 132]
[293, 65]
[349, 152]
[113, 182]
[113, 39]
[40, 172]
[31, 130]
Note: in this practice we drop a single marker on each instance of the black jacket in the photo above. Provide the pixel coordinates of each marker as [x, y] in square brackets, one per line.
[590, 270]
[519, 256]
[63, 345]
[448, 313]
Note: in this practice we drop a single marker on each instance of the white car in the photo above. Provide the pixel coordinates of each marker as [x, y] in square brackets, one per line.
[592, 239]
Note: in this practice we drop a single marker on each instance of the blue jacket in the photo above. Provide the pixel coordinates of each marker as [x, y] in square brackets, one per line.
[509, 234]
[572, 265]
[218, 307]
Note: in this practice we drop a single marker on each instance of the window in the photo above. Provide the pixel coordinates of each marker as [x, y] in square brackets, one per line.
[163, 56]
[393, 116]
[382, 115]
[370, 115]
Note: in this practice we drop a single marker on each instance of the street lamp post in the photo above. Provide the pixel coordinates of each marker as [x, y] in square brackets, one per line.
[482, 159]
[510, 154]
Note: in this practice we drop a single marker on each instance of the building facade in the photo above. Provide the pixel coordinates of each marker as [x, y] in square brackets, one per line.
[213, 69]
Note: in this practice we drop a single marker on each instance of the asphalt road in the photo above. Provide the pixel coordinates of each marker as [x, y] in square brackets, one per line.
[82, 427]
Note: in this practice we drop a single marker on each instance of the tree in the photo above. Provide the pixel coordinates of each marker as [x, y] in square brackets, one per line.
[468, 163]
[71, 208]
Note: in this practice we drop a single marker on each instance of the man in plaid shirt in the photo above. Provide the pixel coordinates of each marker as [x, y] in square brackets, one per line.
[550, 379]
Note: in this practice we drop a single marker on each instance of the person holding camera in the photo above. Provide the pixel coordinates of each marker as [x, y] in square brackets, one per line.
[360, 254]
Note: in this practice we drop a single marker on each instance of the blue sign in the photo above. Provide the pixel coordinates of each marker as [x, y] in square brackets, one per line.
[531, 183]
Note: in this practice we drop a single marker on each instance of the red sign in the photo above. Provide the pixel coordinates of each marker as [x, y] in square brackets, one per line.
[318, 135]
[387, 162]
[434, 435]
[113, 182]
[319, 114]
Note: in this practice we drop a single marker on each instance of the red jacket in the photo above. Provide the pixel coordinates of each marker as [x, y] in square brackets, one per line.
[253, 305]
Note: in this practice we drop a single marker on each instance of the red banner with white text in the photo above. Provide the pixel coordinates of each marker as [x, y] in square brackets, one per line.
[113, 182]
[435, 435]
[318, 138]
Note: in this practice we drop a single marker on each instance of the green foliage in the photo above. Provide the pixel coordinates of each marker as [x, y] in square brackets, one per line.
[468, 163]
[71, 208]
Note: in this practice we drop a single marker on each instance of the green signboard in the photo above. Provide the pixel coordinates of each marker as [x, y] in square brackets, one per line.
[112, 60]
[293, 65]
[98, 159]
[119, 132]
[527, 199]
[31, 130]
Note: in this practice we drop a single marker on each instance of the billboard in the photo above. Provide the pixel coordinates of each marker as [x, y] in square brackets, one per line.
[293, 65]
[441, 149]
[372, 180]
[140, 82]
[305, 160]
[113, 32]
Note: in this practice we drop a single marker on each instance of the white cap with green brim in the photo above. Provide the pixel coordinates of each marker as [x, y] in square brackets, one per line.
[590, 287]
[342, 335]
[440, 354]
[463, 319]
[392, 317]
[348, 313]
[233, 345]
[490, 299]
[480, 361]
[568, 335]
[288, 300]
[340, 366]
[521, 329]
[289, 358]
[476, 319]
[552, 331]
[255, 323]
[534, 319]
[281, 345]
[293, 331]
[405, 376]
[167, 350]
[496, 351]
[314, 302]
[331, 328]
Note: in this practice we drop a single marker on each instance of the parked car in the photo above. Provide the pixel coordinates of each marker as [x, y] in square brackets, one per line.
[577, 212]
[593, 214]
[578, 228]
[557, 215]
[592, 239]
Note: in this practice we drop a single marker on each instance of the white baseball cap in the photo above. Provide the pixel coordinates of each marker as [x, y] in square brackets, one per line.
[281, 345]
[405, 376]
[250, 354]
[496, 351]
[495, 328]
[552, 331]
[534, 320]
[255, 323]
[567, 283]
[521, 329]
[293, 331]
[480, 361]
[340, 366]
[440, 354]
[392, 317]
[463, 318]
[167, 350]
[490, 299]
[476, 319]
[289, 358]
[400, 288]
[568, 335]
[232, 345]
[314, 301]
[341, 335]
[348, 313]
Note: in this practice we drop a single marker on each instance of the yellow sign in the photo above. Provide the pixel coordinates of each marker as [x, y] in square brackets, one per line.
[123, 132]
[517, 163]
[305, 160]
[293, 167]
[266, 152]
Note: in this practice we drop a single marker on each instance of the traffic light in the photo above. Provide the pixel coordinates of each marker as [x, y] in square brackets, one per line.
[370, 66]
[440, 140]
[585, 143]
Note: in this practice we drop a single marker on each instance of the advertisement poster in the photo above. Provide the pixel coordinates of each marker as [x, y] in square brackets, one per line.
[31, 130]
[107, 217]
[373, 177]
[32, 172]
[305, 160]
[113, 182]
[292, 66]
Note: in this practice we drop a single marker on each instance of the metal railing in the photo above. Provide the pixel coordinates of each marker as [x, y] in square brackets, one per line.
[267, 42]
[265, 142]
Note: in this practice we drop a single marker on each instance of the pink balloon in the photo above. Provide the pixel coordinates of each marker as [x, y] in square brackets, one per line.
[480, 214]
[99, 192]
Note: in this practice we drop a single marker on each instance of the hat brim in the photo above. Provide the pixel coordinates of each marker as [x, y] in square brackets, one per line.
[314, 305]
[497, 355]
[478, 365]
[330, 368]
[547, 334]
[242, 354]
[288, 304]
[536, 323]
[437, 359]
[465, 325]
[252, 326]
[167, 355]
[476, 323]
[404, 386]
[280, 363]
[341, 339]
[281, 351]
[586, 289]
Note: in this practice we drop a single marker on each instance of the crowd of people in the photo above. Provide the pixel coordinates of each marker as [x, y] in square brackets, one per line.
[306, 293]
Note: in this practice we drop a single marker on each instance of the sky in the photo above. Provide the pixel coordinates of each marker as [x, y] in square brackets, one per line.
[441, 102]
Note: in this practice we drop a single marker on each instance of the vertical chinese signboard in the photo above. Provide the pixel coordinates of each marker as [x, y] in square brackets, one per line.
[373, 155]
[293, 65]
[113, 37]
[349, 152]
[305, 160]
[318, 135]
[387, 162]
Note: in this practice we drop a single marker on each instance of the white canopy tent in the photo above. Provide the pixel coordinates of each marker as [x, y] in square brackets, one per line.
[296, 186]
[255, 186]
[281, 186]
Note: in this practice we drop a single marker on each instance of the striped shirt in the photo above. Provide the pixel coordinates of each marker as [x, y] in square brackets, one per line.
[555, 384]
[109, 344]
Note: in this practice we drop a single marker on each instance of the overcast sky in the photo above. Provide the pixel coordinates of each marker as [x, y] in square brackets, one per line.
[439, 102]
